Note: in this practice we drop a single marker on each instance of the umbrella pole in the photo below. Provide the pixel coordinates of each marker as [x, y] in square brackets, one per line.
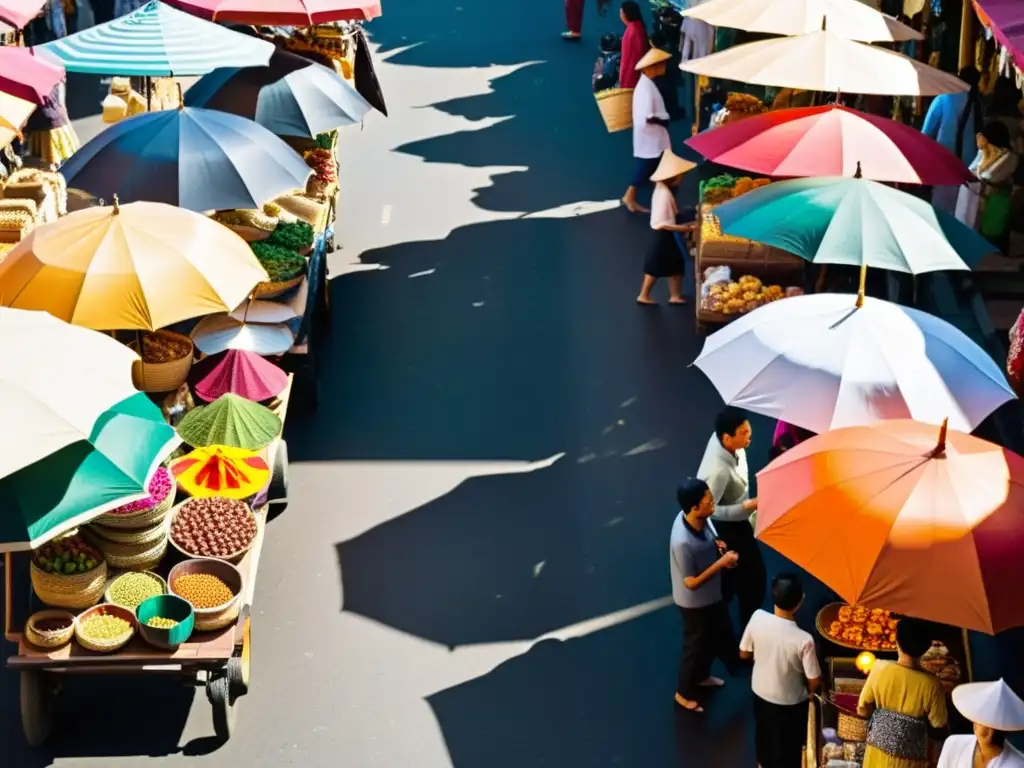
[863, 285]
[8, 596]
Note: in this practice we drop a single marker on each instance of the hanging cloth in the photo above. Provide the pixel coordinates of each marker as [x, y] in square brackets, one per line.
[365, 76]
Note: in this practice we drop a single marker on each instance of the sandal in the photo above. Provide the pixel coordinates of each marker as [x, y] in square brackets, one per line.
[571, 36]
[691, 706]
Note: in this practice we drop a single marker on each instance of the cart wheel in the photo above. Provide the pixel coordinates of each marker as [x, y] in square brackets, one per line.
[37, 705]
[278, 491]
[238, 666]
[218, 691]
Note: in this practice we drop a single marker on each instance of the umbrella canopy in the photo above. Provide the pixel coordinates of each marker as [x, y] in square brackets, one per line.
[291, 97]
[851, 19]
[217, 333]
[18, 13]
[14, 113]
[822, 362]
[824, 61]
[142, 266]
[238, 372]
[286, 13]
[198, 159]
[79, 482]
[221, 471]
[157, 41]
[832, 140]
[834, 220]
[27, 76]
[904, 516]
[230, 421]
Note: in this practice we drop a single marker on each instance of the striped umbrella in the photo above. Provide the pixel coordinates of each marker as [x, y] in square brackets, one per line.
[157, 41]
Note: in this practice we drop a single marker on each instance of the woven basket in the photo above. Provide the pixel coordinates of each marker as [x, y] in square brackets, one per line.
[141, 537]
[163, 377]
[106, 646]
[106, 592]
[52, 638]
[234, 558]
[851, 728]
[212, 619]
[76, 590]
[249, 234]
[137, 521]
[131, 558]
[616, 107]
[272, 290]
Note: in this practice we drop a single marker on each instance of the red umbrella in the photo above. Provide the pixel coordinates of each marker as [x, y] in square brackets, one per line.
[18, 13]
[27, 76]
[831, 141]
[284, 13]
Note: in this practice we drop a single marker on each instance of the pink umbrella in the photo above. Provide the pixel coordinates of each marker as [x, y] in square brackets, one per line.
[831, 141]
[285, 13]
[27, 76]
[18, 13]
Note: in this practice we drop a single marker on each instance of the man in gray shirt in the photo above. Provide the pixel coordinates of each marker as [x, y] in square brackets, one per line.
[696, 564]
[724, 469]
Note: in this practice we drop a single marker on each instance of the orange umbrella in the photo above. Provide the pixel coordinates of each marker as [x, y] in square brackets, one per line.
[218, 470]
[905, 516]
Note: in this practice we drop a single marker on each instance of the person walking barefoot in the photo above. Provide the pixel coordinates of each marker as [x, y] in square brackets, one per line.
[650, 125]
[574, 18]
[667, 249]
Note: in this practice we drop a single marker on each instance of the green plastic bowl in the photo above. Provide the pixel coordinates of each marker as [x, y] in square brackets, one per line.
[166, 607]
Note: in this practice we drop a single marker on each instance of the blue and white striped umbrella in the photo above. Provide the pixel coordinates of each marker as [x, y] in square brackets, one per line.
[157, 41]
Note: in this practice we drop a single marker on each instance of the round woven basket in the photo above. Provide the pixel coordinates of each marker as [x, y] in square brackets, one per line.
[155, 576]
[212, 619]
[104, 645]
[50, 638]
[131, 536]
[616, 107]
[76, 590]
[163, 377]
[130, 558]
[249, 234]
[235, 557]
[851, 728]
[273, 290]
[142, 519]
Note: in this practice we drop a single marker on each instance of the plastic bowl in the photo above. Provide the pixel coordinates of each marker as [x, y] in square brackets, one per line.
[222, 569]
[167, 607]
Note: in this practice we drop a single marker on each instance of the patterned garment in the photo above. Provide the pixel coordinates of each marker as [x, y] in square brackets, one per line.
[898, 735]
[1015, 359]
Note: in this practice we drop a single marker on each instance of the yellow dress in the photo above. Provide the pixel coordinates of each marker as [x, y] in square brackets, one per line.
[911, 692]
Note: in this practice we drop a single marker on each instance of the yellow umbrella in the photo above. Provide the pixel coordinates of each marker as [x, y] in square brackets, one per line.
[824, 61]
[218, 470]
[14, 113]
[142, 266]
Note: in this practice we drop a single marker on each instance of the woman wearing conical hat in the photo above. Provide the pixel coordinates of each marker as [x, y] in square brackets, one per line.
[995, 710]
[650, 125]
[667, 248]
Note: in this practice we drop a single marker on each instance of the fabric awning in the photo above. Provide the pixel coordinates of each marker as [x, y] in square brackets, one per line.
[1005, 19]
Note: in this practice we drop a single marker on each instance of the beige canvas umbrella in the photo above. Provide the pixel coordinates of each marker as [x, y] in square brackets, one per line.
[141, 266]
[824, 61]
[851, 19]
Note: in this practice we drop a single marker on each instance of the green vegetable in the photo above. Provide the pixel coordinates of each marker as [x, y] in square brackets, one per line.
[293, 235]
[324, 140]
[280, 263]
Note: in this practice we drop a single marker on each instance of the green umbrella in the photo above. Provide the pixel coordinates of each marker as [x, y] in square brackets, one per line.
[232, 421]
[853, 221]
[81, 481]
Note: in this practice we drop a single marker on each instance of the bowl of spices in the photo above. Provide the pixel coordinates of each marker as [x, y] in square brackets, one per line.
[215, 527]
[165, 621]
[133, 587]
[212, 587]
[50, 629]
[105, 627]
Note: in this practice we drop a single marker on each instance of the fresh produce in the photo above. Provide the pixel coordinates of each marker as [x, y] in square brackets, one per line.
[130, 589]
[294, 236]
[213, 527]
[747, 294]
[202, 590]
[280, 263]
[873, 629]
[323, 164]
[324, 141]
[160, 623]
[744, 103]
[159, 487]
[261, 219]
[67, 556]
[161, 348]
[100, 625]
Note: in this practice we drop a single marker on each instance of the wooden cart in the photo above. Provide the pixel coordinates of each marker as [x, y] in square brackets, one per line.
[218, 660]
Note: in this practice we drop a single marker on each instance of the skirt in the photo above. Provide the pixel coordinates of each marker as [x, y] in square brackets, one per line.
[54, 146]
[664, 258]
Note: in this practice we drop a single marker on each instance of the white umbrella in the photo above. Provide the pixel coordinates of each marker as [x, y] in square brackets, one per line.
[821, 362]
[215, 333]
[851, 19]
[824, 61]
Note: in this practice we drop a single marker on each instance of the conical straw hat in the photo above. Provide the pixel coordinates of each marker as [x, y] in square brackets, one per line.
[652, 57]
[239, 372]
[993, 705]
[671, 165]
[232, 421]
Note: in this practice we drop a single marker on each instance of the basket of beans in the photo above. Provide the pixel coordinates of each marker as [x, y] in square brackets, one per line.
[166, 361]
[165, 621]
[214, 527]
[212, 587]
[50, 629]
[130, 589]
[105, 628]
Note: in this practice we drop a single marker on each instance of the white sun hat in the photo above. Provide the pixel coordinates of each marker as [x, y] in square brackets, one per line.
[993, 704]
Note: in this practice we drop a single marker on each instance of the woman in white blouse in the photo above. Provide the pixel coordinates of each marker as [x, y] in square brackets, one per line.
[665, 254]
[985, 205]
[995, 710]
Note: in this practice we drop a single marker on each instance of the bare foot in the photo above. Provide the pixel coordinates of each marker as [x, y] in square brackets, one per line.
[689, 706]
[711, 682]
[645, 301]
[633, 206]
[677, 300]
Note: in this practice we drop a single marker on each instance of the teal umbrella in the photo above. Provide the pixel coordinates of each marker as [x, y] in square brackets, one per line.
[86, 478]
[853, 221]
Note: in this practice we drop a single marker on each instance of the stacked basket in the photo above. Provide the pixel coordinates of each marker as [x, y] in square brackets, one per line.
[134, 537]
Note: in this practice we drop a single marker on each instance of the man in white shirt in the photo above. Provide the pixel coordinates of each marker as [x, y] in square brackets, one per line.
[785, 673]
[650, 125]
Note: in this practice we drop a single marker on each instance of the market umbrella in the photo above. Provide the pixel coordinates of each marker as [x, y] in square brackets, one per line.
[18, 13]
[903, 516]
[218, 470]
[264, 311]
[27, 76]
[198, 159]
[110, 467]
[824, 61]
[140, 266]
[826, 361]
[832, 140]
[231, 421]
[836, 220]
[14, 113]
[292, 96]
[217, 333]
[156, 41]
[238, 372]
[851, 19]
[284, 13]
